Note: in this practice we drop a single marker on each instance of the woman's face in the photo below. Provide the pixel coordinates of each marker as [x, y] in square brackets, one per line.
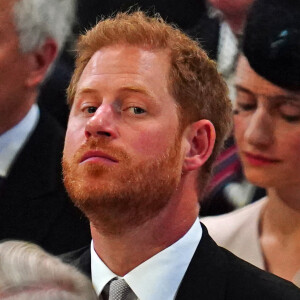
[231, 7]
[267, 129]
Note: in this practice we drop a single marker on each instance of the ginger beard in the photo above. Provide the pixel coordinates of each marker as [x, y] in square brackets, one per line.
[125, 195]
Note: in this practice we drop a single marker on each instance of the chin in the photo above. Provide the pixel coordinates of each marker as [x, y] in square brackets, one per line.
[259, 179]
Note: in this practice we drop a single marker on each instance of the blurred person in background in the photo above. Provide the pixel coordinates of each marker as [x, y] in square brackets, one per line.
[228, 189]
[33, 203]
[267, 131]
[233, 12]
[27, 272]
[232, 15]
[221, 32]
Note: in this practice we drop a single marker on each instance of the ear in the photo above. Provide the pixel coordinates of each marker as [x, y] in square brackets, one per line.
[39, 62]
[201, 137]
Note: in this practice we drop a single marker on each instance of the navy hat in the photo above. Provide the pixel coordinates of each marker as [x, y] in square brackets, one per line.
[272, 41]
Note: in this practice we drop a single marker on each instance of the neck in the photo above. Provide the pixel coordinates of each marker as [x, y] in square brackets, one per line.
[236, 23]
[280, 232]
[282, 212]
[124, 252]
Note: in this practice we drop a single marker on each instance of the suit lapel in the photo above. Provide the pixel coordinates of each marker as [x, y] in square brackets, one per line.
[80, 258]
[205, 277]
[29, 202]
[27, 174]
[84, 263]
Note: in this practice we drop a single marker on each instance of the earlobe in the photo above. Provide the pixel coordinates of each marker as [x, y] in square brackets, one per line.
[201, 137]
[39, 62]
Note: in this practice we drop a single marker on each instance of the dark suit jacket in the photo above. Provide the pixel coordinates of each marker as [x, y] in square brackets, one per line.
[214, 274]
[33, 203]
[207, 32]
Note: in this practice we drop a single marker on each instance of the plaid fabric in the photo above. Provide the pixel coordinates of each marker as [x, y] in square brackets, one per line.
[227, 168]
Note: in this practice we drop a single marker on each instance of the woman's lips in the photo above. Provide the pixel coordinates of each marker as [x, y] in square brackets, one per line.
[259, 160]
[97, 156]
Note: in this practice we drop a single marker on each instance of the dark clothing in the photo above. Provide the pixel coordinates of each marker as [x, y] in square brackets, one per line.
[215, 273]
[207, 32]
[34, 205]
[52, 94]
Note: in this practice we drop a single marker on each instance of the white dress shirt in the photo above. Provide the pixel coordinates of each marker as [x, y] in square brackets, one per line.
[228, 51]
[160, 276]
[12, 141]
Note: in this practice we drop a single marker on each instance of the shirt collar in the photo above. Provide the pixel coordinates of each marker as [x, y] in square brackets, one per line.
[12, 141]
[227, 50]
[160, 276]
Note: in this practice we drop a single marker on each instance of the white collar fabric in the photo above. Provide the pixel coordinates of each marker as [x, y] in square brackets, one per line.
[160, 276]
[227, 50]
[12, 141]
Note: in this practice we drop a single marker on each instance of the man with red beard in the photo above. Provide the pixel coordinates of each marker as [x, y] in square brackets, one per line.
[149, 113]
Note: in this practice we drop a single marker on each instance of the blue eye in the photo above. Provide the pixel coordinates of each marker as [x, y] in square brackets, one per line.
[138, 110]
[91, 109]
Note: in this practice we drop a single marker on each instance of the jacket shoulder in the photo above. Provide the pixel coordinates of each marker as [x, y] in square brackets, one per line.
[249, 282]
[73, 256]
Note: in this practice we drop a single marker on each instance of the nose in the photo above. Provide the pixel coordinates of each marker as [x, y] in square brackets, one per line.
[260, 130]
[102, 123]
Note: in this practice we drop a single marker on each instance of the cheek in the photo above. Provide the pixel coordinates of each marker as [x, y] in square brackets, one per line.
[152, 142]
[290, 146]
[240, 126]
[69, 145]
[149, 143]
[74, 138]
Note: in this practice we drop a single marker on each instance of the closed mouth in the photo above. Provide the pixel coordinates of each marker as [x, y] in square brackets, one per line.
[97, 154]
[261, 158]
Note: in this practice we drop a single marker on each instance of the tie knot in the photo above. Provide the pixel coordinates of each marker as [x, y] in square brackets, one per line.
[118, 289]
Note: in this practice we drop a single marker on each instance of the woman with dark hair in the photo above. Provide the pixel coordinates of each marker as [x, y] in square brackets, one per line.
[267, 131]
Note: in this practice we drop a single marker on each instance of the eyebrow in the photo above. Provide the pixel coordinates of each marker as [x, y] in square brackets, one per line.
[86, 91]
[139, 90]
[279, 97]
[130, 89]
[286, 98]
[242, 89]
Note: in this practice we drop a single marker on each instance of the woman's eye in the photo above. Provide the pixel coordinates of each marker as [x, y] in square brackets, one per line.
[240, 107]
[246, 106]
[291, 119]
[290, 113]
[245, 101]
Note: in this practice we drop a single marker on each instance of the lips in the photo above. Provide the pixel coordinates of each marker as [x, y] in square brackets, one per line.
[94, 156]
[259, 160]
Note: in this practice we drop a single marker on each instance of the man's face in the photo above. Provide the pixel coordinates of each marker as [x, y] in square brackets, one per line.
[13, 69]
[122, 157]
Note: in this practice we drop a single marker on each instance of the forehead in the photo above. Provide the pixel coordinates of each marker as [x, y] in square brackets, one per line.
[6, 9]
[6, 17]
[247, 78]
[126, 61]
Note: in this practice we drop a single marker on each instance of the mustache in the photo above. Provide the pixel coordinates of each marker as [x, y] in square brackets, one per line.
[104, 145]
